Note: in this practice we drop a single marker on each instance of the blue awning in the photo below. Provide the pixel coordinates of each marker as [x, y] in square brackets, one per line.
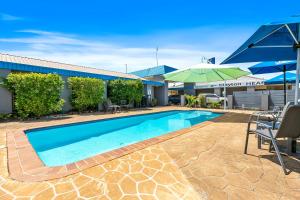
[290, 78]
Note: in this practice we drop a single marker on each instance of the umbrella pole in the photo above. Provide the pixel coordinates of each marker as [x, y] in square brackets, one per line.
[297, 77]
[298, 70]
[284, 84]
[224, 95]
[292, 143]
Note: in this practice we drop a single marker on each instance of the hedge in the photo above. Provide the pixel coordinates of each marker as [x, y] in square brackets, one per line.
[35, 94]
[86, 93]
[129, 90]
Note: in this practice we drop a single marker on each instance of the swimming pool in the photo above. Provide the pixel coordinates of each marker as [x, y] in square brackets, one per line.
[64, 144]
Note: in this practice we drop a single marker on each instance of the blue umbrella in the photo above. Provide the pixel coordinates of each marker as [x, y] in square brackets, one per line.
[290, 78]
[272, 67]
[272, 42]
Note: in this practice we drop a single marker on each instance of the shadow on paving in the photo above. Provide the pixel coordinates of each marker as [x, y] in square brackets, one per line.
[292, 163]
[232, 118]
[69, 115]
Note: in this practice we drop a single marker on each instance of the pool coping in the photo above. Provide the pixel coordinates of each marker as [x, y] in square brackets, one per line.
[25, 165]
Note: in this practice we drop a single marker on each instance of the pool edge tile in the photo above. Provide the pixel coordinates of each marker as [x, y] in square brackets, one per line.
[24, 170]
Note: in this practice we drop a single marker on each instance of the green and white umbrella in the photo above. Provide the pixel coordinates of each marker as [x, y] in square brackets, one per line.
[205, 73]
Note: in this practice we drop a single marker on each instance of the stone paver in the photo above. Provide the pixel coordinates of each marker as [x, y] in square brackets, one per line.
[213, 161]
[149, 173]
[132, 176]
[204, 163]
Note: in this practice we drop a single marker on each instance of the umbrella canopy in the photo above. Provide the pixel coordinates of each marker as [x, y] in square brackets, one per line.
[205, 74]
[273, 66]
[272, 42]
[290, 78]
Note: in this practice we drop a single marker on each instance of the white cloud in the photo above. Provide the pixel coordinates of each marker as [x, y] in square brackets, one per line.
[7, 17]
[178, 49]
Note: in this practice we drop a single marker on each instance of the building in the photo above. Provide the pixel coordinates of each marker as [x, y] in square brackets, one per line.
[11, 63]
[246, 83]
[156, 74]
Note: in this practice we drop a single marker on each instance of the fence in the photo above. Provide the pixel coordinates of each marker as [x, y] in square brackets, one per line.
[260, 99]
[276, 97]
[248, 100]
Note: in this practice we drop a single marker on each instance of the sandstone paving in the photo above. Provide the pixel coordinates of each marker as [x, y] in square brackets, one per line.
[206, 163]
[140, 175]
[212, 159]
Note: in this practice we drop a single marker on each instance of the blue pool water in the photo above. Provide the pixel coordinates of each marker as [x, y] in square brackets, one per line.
[60, 145]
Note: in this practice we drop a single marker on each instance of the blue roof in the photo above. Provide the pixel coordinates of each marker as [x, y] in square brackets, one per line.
[271, 42]
[154, 71]
[153, 83]
[273, 66]
[46, 70]
[18, 63]
[290, 78]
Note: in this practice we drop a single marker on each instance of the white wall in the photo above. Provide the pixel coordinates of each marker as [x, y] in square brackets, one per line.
[161, 92]
[5, 95]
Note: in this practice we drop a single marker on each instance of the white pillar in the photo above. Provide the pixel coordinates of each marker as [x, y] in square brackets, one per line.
[224, 95]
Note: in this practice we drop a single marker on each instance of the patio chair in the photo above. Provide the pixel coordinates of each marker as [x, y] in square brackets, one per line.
[124, 105]
[288, 128]
[111, 107]
[271, 118]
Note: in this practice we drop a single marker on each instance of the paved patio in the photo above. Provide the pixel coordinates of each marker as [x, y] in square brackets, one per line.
[204, 163]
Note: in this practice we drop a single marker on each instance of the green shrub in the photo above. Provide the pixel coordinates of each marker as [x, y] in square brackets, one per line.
[129, 90]
[191, 100]
[202, 101]
[5, 116]
[35, 94]
[154, 102]
[86, 93]
[215, 105]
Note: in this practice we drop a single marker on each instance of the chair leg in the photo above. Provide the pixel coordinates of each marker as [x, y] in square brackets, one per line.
[279, 156]
[248, 127]
[246, 144]
[270, 146]
[259, 142]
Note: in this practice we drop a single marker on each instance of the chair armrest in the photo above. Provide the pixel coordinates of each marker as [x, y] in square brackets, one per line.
[259, 115]
[264, 125]
[271, 116]
[263, 113]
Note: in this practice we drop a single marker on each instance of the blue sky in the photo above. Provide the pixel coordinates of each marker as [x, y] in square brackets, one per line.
[110, 34]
